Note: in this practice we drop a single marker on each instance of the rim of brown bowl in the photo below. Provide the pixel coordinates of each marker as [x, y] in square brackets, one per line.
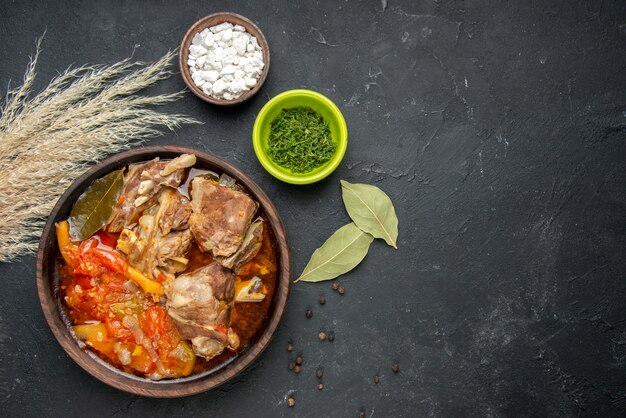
[47, 278]
[212, 20]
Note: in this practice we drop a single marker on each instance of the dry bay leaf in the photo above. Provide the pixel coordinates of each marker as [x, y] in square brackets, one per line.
[93, 208]
[342, 252]
[371, 210]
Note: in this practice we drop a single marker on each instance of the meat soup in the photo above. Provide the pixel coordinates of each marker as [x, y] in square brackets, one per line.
[179, 279]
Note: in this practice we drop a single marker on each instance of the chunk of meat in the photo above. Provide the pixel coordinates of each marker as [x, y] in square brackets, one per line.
[153, 253]
[203, 296]
[151, 250]
[171, 255]
[209, 347]
[249, 248]
[181, 162]
[220, 216]
[142, 183]
[200, 304]
[174, 210]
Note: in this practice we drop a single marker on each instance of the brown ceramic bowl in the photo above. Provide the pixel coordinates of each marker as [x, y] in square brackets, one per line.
[54, 311]
[207, 22]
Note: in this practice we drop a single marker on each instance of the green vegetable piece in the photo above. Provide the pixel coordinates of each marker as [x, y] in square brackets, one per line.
[300, 140]
[342, 252]
[371, 210]
[93, 208]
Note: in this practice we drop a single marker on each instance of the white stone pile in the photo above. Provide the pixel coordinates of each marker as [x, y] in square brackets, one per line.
[225, 61]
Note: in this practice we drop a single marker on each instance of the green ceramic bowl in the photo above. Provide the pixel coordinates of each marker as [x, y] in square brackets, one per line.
[296, 98]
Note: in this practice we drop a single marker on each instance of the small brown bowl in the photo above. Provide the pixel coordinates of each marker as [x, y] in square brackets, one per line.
[210, 21]
[54, 310]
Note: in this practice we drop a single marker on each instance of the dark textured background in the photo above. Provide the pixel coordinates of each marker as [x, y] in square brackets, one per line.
[497, 128]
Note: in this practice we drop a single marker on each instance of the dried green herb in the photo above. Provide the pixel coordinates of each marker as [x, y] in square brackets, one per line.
[300, 140]
[342, 252]
[371, 210]
[93, 208]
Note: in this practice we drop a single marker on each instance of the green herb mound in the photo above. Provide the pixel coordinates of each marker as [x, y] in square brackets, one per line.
[300, 140]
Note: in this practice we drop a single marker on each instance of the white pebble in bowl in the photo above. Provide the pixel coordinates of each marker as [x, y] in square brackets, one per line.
[225, 61]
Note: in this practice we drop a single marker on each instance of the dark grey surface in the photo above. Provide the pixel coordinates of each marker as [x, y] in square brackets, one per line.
[498, 130]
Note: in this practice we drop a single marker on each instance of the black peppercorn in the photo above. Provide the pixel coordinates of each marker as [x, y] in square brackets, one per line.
[341, 290]
[321, 336]
[331, 336]
[376, 379]
[290, 347]
[320, 386]
[308, 313]
[395, 367]
[335, 286]
[322, 300]
[299, 359]
[291, 366]
[361, 413]
[297, 369]
[319, 372]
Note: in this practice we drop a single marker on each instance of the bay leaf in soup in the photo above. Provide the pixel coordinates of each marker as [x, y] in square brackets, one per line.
[342, 252]
[371, 210]
[93, 208]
